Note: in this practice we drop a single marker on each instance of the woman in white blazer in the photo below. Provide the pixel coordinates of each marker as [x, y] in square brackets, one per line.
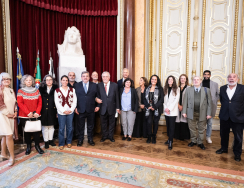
[171, 99]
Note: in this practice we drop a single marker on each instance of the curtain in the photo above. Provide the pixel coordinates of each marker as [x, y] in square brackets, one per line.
[34, 28]
[81, 7]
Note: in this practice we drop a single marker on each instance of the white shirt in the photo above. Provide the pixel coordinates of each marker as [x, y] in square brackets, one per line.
[230, 92]
[87, 85]
[49, 89]
[108, 85]
[59, 106]
[197, 88]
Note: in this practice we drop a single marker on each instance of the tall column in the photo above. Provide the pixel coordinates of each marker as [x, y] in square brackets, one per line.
[195, 37]
[129, 36]
[2, 56]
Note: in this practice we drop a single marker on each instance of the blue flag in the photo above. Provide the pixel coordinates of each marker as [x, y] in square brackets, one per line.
[20, 72]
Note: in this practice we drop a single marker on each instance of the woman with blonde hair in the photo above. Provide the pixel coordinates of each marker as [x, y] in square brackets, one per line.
[8, 113]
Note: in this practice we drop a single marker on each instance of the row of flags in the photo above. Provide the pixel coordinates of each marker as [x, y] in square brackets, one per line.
[37, 72]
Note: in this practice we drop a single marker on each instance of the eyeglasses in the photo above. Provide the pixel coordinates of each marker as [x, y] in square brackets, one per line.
[6, 79]
[49, 80]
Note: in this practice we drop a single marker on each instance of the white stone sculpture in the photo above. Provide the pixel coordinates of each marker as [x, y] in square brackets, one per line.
[71, 57]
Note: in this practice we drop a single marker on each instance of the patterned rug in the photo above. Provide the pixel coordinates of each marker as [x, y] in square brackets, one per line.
[85, 167]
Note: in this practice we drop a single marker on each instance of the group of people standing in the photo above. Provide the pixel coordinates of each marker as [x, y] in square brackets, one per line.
[187, 109]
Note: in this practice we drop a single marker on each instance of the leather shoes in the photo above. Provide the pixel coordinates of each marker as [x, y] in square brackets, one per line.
[51, 142]
[201, 146]
[237, 158]
[192, 144]
[38, 149]
[46, 145]
[112, 139]
[103, 139]
[91, 142]
[149, 139]
[129, 139]
[80, 142]
[167, 142]
[28, 149]
[220, 151]
[170, 145]
[124, 138]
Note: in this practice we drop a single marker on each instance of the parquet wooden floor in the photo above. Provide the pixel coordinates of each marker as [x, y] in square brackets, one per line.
[180, 152]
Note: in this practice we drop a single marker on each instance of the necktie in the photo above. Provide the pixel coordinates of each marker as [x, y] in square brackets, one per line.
[197, 90]
[85, 88]
[106, 88]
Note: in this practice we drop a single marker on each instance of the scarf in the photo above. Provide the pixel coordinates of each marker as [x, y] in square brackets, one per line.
[155, 99]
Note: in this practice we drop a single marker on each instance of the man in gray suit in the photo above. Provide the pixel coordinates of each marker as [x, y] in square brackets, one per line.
[214, 90]
[197, 109]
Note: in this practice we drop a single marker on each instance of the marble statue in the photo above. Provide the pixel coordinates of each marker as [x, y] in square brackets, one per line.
[71, 56]
[72, 42]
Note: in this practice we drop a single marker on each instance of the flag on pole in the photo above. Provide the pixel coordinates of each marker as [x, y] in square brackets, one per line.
[51, 70]
[20, 71]
[37, 74]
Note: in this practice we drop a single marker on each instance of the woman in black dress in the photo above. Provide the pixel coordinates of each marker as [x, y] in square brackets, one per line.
[140, 129]
[181, 126]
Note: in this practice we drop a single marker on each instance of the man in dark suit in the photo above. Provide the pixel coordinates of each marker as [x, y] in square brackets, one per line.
[108, 93]
[86, 93]
[232, 115]
[121, 81]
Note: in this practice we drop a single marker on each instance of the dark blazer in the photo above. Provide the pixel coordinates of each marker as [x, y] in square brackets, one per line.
[86, 101]
[134, 99]
[120, 84]
[49, 111]
[111, 102]
[159, 105]
[234, 108]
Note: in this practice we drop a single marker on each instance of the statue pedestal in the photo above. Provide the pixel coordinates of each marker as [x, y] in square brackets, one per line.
[68, 63]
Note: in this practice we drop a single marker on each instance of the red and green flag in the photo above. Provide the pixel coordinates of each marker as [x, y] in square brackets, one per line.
[37, 74]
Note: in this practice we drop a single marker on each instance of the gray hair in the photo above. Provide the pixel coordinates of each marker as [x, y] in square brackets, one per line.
[106, 72]
[126, 69]
[43, 83]
[72, 72]
[197, 77]
[22, 82]
[85, 72]
[233, 73]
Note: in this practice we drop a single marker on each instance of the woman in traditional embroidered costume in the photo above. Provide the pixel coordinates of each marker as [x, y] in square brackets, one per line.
[66, 101]
[30, 104]
[8, 114]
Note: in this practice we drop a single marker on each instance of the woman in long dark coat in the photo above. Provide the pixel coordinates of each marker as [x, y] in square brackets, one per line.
[49, 111]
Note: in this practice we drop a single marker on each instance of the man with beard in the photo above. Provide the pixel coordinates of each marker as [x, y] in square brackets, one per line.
[214, 90]
[72, 81]
[231, 115]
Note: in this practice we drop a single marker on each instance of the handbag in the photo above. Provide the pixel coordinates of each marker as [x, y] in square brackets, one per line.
[33, 126]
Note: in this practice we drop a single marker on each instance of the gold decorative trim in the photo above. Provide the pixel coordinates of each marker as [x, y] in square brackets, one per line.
[121, 37]
[5, 35]
[235, 36]
[203, 35]
[160, 40]
[150, 38]
[188, 36]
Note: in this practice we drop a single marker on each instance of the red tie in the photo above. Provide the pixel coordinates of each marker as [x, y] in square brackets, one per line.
[106, 88]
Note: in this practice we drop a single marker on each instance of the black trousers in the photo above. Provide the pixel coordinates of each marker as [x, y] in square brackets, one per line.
[75, 125]
[170, 123]
[81, 125]
[237, 129]
[152, 119]
[27, 135]
[108, 125]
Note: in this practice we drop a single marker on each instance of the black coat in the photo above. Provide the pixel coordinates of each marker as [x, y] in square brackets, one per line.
[232, 109]
[111, 102]
[49, 111]
[134, 99]
[159, 105]
[86, 101]
[120, 84]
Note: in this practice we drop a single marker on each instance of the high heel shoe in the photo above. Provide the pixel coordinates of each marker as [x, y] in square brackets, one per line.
[10, 162]
[38, 149]
[4, 157]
